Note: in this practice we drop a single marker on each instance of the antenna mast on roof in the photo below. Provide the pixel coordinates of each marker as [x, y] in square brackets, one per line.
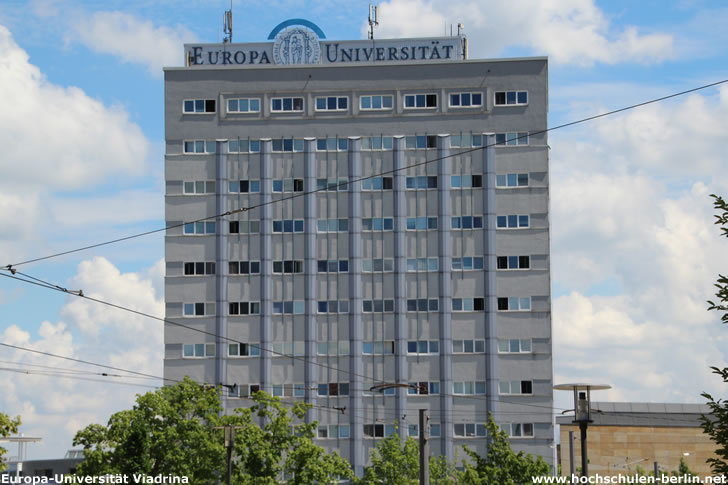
[227, 24]
[373, 19]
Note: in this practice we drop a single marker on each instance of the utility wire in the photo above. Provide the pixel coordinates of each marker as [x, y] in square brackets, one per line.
[425, 162]
[80, 294]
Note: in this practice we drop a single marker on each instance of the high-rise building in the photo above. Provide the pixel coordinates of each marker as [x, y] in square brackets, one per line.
[382, 238]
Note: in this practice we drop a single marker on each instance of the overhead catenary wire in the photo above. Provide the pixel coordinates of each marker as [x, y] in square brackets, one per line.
[379, 174]
[80, 294]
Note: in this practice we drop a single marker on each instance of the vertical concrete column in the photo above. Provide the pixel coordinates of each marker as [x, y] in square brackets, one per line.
[221, 266]
[355, 309]
[310, 270]
[266, 265]
[491, 293]
[445, 256]
[400, 288]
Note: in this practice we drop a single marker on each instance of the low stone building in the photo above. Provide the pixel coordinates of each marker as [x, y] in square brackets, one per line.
[624, 436]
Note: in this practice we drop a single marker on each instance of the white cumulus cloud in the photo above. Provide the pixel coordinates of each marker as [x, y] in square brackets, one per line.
[133, 40]
[569, 32]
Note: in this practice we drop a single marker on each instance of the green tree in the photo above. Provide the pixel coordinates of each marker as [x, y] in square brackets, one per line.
[8, 426]
[172, 431]
[393, 462]
[716, 424]
[280, 445]
[501, 465]
[683, 469]
[167, 432]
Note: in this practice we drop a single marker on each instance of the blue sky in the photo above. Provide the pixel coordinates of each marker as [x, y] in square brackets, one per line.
[634, 250]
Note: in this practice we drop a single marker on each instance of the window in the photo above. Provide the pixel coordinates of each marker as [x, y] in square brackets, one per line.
[467, 263]
[377, 183]
[333, 306]
[420, 141]
[469, 430]
[378, 430]
[518, 430]
[377, 306]
[332, 185]
[286, 104]
[467, 222]
[198, 106]
[511, 138]
[378, 348]
[332, 103]
[377, 224]
[191, 351]
[466, 100]
[508, 180]
[288, 225]
[421, 182]
[333, 266]
[468, 304]
[514, 304]
[417, 101]
[287, 145]
[199, 228]
[511, 98]
[515, 387]
[422, 305]
[376, 102]
[243, 105]
[476, 346]
[514, 262]
[514, 346]
[244, 186]
[421, 223]
[244, 146]
[287, 349]
[333, 431]
[468, 388]
[244, 390]
[199, 146]
[332, 144]
[435, 430]
[513, 221]
[377, 143]
[199, 268]
[334, 389]
[243, 350]
[422, 264]
[288, 266]
[423, 347]
[243, 267]
[333, 348]
[332, 225]
[198, 309]
[289, 307]
[244, 227]
[244, 308]
[384, 265]
[466, 181]
[423, 388]
[199, 187]
[466, 140]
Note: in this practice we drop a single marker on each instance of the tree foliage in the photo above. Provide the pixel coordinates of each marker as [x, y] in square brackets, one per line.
[397, 463]
[716, 424]
[172, 431]
[8, 426]
[501, 465]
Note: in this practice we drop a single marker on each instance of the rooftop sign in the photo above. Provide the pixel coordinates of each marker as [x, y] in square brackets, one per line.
[298, 42]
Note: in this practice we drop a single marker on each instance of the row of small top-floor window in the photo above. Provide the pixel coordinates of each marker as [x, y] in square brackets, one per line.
[412, 142]
[370, 102]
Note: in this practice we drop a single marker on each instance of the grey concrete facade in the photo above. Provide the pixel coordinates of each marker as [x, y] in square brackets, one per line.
[398, 282]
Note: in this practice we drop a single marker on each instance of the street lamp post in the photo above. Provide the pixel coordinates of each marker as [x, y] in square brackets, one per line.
[582, 414]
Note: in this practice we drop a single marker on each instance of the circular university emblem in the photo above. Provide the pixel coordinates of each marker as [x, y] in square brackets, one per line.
[296, 45]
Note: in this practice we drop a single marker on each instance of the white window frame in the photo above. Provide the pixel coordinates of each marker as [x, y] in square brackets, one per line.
[371, 104]
[326, 101]
[239, 111]
[292, 110]
[460, 94]
[194, 107]
[507, 104]
[414, 96]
